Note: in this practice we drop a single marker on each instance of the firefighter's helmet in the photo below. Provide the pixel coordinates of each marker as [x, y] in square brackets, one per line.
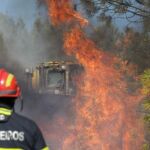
[8, 85]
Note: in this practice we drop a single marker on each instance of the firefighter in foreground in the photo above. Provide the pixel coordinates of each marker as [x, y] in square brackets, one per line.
[16, 132]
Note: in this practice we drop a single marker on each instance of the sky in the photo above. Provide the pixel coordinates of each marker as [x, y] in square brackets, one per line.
[25, 9]
[28, 11]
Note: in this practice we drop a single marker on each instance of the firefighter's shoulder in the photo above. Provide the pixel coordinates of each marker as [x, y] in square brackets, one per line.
[30, 129]
[24, 123]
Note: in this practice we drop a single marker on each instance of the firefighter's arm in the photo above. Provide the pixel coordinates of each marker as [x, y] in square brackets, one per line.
[46, 148]
[39, 141]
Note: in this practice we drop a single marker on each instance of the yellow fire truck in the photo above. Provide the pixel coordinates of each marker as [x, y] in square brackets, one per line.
[53, 77]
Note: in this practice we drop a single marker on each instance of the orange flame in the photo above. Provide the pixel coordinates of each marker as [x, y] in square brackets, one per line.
[62, 12]
[106, 117]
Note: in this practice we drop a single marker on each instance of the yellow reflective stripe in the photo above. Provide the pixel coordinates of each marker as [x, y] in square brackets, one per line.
[5, 111]
[9, 80]
[46, 148]
[11, 149]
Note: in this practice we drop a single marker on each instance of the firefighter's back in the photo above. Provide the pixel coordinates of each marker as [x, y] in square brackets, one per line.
[18, 132]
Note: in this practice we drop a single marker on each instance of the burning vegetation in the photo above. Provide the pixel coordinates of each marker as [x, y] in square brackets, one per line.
[105, 113]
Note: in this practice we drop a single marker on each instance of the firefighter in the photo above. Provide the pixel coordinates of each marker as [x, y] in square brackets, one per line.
[16, 132]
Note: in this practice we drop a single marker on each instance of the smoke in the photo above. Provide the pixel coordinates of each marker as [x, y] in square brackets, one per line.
[17, 41]
[51, 113]
[28, 48]
[24, 46]
[18, 9]
[27, 35]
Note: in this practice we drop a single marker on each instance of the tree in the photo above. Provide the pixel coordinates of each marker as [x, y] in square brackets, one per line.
[135, 48]
[128, 9]
[132, 45]
[105, 36]
[145, 80]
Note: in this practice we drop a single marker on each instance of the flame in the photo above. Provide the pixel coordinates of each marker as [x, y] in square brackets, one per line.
[62, 12]
[105, 113]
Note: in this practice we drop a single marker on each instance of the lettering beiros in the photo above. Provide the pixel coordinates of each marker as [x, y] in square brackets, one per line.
[11, 136]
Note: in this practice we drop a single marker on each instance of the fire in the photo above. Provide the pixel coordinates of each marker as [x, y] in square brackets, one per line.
[105, 113]
[62, 12]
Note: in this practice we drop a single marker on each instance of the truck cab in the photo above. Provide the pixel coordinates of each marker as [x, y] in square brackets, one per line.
[53, 77]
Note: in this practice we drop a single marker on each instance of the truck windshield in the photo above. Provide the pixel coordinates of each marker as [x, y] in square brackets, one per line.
[55, 79]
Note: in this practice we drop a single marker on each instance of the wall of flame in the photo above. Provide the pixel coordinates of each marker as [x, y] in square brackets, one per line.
[105, 114]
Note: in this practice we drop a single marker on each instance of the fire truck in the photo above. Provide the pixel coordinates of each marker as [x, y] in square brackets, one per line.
[53, 77]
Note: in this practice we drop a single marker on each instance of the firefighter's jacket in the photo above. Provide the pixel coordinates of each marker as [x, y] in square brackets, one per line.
[19, 133]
